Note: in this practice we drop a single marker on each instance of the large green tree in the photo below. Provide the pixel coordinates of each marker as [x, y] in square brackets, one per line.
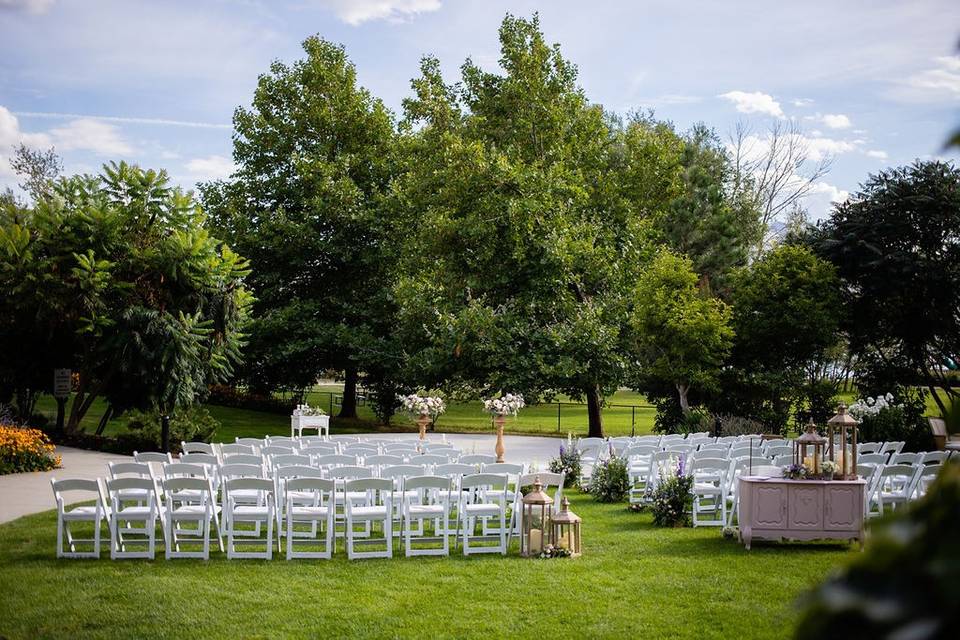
[533, 223]
[117, 277]
[314, 154]
[896, 247]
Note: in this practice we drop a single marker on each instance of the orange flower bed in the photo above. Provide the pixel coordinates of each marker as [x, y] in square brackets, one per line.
[23, 449]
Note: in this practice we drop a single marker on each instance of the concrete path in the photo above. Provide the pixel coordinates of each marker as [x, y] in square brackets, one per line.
[25, 493]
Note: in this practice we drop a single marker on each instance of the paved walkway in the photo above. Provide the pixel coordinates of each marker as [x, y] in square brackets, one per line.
[25, 493]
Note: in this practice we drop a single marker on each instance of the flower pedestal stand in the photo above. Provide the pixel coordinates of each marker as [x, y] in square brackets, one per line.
[499, 448]
[422, 422]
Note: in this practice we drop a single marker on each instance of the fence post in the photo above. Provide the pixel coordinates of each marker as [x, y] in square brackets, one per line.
[558, 417]
[330, 398]
[633, 420]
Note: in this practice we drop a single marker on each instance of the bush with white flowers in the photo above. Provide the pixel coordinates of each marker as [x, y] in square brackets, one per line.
[871, 406]
[506, 405]
[423, 406]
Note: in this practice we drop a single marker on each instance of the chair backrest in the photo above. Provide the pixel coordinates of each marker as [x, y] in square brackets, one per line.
[892, 447]
[74, 484]
[362, 449]
[547, 479]
[869, 447]
[276, 450]
[234, 448]
[430, 459]
[477, 458]
[768, 471]
[248, 484]
[779, 450]
[256, 443]
[783, 460]
[708, 465]
[399, 446]
[298, 471]
[640, 451]
[715, 451]
[382, 460]
[381, 486]
[197, 447]
[319, 485]
[904, 458]
[152, 456]
[934, 457]
[484, 480]
[871, 458]
[403, 471]
[335, 460]
[241, 471]
[726, 440]
[898, 470]
[185, 470]
[242, 458]
[589, 443]
[320, 450]
[134, 469]
[500, 468]
[278, 462]
[186, 483]
[199, 458]
[116, 485]
[283, 441]
[415, 483]
[345, 439]
[679, 447]
[350, 472]
[454, 469]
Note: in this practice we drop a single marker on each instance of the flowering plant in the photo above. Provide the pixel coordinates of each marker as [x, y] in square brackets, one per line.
[871, 406]
[828, 468]
[796, 472]
[551, 551]
[506, 405]
[610, 480]
[671, 497]
[423, 406]
[307, 410]
[23, 449]
[568, 462]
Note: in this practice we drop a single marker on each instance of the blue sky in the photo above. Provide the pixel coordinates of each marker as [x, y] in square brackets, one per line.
[872, 83]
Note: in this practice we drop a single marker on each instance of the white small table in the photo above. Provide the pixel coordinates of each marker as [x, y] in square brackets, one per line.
[299, 423]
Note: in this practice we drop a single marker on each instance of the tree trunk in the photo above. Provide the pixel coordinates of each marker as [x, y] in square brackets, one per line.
[682, 390]
[61, 413]
[594, 414]
[104, 419]
[348, 405]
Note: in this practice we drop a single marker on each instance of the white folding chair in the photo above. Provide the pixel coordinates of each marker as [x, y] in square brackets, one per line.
[892, 447]
[509, 495]
[477, 458]
[872, 458]
[258, 511]
[475, 504]
[709, 491]
[310, 501]
[380, 461]
[144, 510]
[95, 514]
[897, 483]
[255, 443]
[281, 476]
[332, 461]
[189, 500]
[375, 505]
[430, 459]
[925, 477]
[868, 447]
[320, 449]
[197, 447]
[148, 457]
[454, 471]
[234, 449]
[933, 457]
[638, 470]
[426, 499]
[548, 481]
[904, 458]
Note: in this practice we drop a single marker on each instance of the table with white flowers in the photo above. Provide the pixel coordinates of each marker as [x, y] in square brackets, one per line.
[299, 423]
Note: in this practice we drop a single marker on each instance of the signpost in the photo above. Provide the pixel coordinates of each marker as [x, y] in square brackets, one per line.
[62, 386]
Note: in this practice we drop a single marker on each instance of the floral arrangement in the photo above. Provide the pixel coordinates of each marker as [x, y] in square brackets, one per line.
[423, 406]
[506, 405]
[567, 462]
[828, 469]
[23, 449]
[550, 551]
[610, 480]
[671, 497]
[871, 406]
[307, 410]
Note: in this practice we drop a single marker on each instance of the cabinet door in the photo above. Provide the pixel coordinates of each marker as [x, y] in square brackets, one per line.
[843, 507]
[806, 506]
[770, 506]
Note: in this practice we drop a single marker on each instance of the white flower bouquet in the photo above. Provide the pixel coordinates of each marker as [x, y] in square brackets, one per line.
[423, 406]
[871, 406]
[307, 410]
[506, 405]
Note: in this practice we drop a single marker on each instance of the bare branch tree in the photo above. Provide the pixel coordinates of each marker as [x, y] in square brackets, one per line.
[774, 171]
[37, 168]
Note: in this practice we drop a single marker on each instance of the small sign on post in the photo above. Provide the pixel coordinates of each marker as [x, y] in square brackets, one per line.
[62, 383]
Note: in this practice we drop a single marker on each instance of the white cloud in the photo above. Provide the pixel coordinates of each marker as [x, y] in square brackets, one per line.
[836, 121]
[877, 153]
[939, 83]
[754, 102]
[356, 12]
[90, 135]
[30, 6]
[124, 119]
[801, 102]
[821, 198]
[210, 168]
[819, 147]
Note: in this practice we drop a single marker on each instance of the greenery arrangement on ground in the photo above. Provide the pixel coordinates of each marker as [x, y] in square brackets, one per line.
[634, 580]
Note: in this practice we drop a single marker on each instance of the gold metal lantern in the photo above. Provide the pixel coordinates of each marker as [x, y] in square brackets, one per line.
[844, 425]
[536, 530]
[566, 529]
[808, 448]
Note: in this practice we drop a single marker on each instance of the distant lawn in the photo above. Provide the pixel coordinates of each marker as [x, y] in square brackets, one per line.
[634, 581]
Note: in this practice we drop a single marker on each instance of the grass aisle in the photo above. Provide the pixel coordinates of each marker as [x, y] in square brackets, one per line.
[634, 581]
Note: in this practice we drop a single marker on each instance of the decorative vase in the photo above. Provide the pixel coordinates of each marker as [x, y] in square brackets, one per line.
[499, 449]
[423, 421]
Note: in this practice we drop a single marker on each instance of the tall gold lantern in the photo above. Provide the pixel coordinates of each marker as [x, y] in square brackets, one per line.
[566, 529]
[536, 530]
[845, 425]
[810, 445]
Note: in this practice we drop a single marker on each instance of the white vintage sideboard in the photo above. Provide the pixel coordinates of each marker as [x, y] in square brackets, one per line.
[299, 423]
[777, 509]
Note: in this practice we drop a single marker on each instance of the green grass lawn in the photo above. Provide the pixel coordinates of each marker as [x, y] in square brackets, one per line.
[634, 581]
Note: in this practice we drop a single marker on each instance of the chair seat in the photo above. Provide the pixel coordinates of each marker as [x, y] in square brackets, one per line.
[245, 495]
[189, 510]
[309, 511]
[482, 509]
[250, 511]
[706, 487]
[134, 512]
[426, 510]
[368, 512]
[81, 513]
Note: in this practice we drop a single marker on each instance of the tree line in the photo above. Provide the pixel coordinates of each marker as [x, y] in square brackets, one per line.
[502, 233]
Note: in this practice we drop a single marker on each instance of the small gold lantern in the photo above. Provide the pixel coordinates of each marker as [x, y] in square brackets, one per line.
[845, 425]
[536, 532]
[566, 529]
[809, 447]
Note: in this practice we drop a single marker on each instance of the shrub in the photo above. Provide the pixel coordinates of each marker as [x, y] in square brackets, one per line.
[567, 462]
[904, 585]
[884, 419]
[610, 481]
[226, 396]
[731, 425]
[23, 449]
[671, 498]
[191, 424]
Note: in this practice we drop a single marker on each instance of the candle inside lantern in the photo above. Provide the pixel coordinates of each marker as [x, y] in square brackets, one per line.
[536, 540]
